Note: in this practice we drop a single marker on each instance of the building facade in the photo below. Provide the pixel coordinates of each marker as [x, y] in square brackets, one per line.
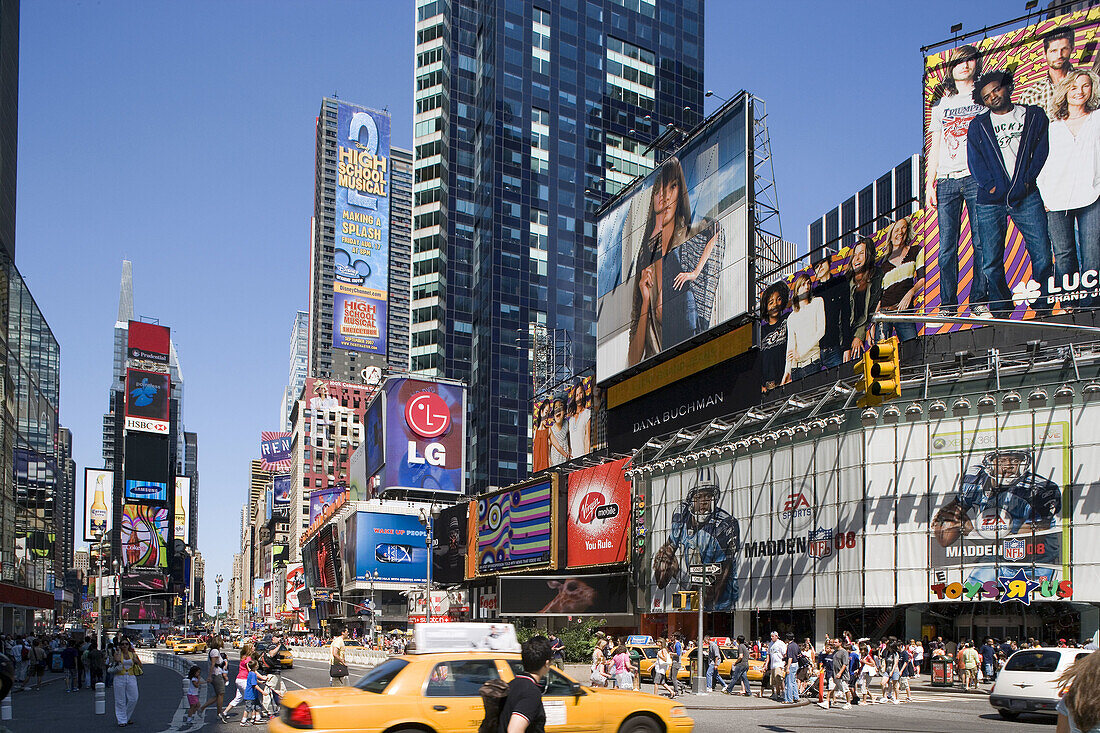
[527, 116]
[892, 196]
[299, 366]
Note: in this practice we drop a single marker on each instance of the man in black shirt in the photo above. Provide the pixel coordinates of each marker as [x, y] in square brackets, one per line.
[773, 334]
[522, 711]
[833, 290]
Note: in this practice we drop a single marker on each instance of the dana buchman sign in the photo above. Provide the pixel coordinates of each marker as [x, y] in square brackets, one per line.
[147, 395]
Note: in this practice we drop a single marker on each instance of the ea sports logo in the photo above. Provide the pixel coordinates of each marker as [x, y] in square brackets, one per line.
[427, 415]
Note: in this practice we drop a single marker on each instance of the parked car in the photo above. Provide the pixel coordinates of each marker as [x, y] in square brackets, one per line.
[1027, 682]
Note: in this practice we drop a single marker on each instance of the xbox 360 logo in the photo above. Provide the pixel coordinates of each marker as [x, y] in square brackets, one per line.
[939, 443]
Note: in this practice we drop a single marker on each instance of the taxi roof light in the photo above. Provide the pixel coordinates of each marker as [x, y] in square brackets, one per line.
[300, 716]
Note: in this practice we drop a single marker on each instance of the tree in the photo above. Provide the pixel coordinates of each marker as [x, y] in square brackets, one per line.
[578, 636]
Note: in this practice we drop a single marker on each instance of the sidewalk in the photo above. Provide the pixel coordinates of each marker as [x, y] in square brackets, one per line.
[51, 708]
[706, 700]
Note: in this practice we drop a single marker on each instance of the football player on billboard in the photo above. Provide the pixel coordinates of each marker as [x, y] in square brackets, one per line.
[702, 533]
[1001, 494]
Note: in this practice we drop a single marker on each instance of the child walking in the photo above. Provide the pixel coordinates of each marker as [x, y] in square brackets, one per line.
[253, 694]
[191, 693]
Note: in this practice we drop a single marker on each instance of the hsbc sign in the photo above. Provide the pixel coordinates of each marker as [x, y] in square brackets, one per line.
[147, 425]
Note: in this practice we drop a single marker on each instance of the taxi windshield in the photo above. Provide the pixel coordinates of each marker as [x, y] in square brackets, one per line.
[647, 651]
[379, 678]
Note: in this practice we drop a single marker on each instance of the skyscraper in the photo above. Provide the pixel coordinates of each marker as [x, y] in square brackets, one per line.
[299, 366]
[9, 119]
[527, 117]
[330, 233]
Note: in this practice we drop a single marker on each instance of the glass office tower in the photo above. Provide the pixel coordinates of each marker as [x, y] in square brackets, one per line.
[528, 115]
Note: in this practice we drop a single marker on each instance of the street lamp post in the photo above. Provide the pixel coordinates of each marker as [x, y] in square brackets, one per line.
[187, 595]
[426, 520]
[99, 592]
[218, 606]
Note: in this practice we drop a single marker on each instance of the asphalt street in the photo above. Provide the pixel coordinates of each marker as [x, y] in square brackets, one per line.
[931, 712]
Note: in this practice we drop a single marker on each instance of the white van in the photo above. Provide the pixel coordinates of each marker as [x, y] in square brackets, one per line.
[1027, 682]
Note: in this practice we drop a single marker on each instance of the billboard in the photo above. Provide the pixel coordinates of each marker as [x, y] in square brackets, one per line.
[672, 257]
[598, 515]
[393, 546]
[515, 528]
[295, 582]
[148, 342]
[275, 451]
[1040, 254]
[820, 316]
[147, 397]
[181, 526]
[280, 487]
[140, 491]
[99, 502]
[425, 436]
[564, 595]
[145, 536]
[361, 279]
[321, 500]
[149, 610]
[563, 424]
[451, 543]
[967, 509]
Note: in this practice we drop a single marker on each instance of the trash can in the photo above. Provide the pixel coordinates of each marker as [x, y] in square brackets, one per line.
[943, 672]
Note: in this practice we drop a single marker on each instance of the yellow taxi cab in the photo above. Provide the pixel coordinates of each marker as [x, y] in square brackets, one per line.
[434, 691]
[190, 645]
[728, 647]
[643, 652]
[170, 642]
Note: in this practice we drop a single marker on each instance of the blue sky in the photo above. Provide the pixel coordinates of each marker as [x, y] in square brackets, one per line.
[179, 135]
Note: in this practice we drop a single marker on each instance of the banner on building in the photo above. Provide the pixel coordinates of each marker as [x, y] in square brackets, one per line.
[515, 528]
[147, 401]
[598, 515]
[563, 425]
[181, 514]
[564, 595]
[425, 436]
[451, 545]
[99, 502]
[361, 278]
[385, 548]
[148, 342]
[275, 451]
[145, 536]
[659, 286]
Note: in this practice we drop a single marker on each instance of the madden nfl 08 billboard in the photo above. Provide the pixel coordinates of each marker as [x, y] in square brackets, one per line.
[360, 283]
[969, 509]
[672, 257]
[1024, 101]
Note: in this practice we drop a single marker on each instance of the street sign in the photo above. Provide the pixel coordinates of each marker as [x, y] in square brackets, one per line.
[711, 569]
[699, 579]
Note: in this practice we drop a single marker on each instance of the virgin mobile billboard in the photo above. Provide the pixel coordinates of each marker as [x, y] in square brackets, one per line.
[1026, 102]
[598, 519]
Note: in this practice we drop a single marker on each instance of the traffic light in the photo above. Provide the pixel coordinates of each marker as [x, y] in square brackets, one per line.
[684, 600]
[878, 373]
[885, 370]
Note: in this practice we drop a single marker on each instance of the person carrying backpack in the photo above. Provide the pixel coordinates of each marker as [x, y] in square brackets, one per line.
[522, 711]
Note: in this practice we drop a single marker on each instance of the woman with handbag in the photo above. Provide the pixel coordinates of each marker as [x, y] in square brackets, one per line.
[126, 668]
[337, 666]
[247, 654]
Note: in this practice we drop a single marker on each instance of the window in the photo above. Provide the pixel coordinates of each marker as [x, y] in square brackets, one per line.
[461, 678]
[540, 140]
[1033, 661]
[540, 41]
[379, 678]
[556, 684]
